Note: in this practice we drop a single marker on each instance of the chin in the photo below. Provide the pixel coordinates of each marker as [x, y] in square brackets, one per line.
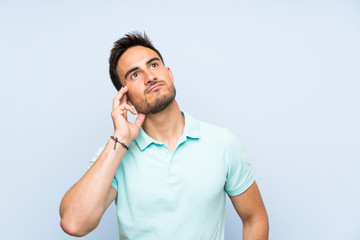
[158, 105]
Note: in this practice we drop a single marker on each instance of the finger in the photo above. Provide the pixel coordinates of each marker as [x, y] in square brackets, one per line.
[124, 99]
[128, 108]
[131, 109]
[118, 97]
[117, 112]
[129, 101]
[123, 108]
[116, 100]
[139, 120]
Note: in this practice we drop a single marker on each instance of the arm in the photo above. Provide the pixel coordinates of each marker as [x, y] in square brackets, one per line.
[251, 210]
[84, 204]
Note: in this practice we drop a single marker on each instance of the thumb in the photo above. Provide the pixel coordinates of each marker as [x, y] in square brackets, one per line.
[139, 120]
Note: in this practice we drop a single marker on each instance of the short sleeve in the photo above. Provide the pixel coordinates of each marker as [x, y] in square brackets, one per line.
[114, 182]
[239, 176]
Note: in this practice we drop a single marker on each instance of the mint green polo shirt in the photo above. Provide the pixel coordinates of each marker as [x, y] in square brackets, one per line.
[179, 195]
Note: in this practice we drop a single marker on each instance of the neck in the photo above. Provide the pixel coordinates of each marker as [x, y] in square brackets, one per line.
[166, 126]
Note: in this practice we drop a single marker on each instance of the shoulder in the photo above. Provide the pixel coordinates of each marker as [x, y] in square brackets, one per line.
[216, 133]
[209, 128]
[209, 134]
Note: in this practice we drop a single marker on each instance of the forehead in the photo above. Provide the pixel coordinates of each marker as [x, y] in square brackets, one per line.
[134, 57]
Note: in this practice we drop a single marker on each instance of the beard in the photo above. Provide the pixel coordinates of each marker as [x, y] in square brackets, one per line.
[159, 104]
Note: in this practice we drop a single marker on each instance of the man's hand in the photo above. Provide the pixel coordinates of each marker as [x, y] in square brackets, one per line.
[123, 129]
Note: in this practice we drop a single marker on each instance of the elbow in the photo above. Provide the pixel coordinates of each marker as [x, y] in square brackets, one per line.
[73, 228]
[258, 226]
[262, 221]
[76, 222]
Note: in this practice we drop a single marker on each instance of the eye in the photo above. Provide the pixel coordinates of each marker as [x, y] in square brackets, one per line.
[134, 75]
[154, 65]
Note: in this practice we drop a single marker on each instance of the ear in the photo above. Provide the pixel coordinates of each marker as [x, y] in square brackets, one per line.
[170, 74]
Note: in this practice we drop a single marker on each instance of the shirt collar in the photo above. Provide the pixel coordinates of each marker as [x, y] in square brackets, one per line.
[191, 130]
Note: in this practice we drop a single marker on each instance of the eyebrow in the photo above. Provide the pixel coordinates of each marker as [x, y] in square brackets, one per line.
[136, 68]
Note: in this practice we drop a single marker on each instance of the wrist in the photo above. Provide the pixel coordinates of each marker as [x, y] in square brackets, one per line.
[122, 138]
[117, 142]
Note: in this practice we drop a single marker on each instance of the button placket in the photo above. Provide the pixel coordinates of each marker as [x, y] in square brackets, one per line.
[171, 170]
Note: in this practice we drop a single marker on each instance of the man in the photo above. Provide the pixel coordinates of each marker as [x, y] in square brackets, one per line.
[167, 172]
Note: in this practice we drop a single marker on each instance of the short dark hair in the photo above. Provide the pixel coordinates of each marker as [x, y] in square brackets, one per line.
[130, 39]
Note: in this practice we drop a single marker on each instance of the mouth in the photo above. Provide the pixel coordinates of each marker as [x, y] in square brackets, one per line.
[155, 87]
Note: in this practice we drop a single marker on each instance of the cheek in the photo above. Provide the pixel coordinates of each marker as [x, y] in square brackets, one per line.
[130, 96]
[134, 94]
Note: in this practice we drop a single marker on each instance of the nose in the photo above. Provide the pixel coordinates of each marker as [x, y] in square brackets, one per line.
[150, 77]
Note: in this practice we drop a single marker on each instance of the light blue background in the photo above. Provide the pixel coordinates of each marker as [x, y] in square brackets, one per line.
[283, 76]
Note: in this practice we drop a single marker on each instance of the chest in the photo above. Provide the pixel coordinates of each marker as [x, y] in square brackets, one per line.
[161, 179]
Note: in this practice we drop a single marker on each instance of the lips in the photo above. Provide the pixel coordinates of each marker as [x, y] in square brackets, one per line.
[155, 87]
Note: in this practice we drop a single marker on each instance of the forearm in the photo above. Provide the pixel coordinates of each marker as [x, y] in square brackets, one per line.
[256, 229]
[84, 204]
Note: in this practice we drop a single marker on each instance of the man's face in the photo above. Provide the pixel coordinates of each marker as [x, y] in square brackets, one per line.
[150, 84]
